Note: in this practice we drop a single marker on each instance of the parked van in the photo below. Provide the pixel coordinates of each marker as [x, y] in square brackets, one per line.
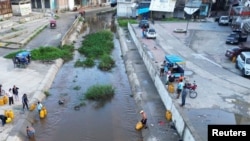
[243, 63]
[223, 20]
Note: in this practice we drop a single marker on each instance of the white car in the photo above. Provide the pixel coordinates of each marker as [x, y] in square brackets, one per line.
[150, 33]
[223, 20]
[243, 63]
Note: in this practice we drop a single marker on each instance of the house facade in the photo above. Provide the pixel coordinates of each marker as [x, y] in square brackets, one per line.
[167, 8]
[58, 5]
[21, 7]
[5, 9]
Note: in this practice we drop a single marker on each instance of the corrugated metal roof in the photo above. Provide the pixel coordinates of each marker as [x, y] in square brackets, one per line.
[193, 4]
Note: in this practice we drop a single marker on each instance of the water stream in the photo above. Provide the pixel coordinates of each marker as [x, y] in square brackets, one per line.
[109, 121]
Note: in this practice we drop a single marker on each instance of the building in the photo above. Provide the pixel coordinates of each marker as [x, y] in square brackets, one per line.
[60, 5]
[158, 9]
[21, 7]
[5, 9]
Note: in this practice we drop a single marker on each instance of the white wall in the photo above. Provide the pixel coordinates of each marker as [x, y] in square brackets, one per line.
[124, 9]
[21, 10]
[71, 4]
[182, 124]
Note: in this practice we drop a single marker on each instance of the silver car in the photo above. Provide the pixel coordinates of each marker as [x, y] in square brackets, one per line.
[150, 33]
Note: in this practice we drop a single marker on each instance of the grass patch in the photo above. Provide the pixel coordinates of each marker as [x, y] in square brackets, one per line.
[100, 92]
[123, 22]
[79, 63]
[47, 93]
[77, 88]
[172, 19]
[48, 53]
[89, 62]
[106, 63]
[95, 46]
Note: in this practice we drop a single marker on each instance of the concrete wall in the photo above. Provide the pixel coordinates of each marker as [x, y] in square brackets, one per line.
[21, 9]
[124, 9]
[182, 124]
[70, 31]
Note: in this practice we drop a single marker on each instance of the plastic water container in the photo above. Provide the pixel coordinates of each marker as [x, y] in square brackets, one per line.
[1, 102]
[42, 115]
[168, 115]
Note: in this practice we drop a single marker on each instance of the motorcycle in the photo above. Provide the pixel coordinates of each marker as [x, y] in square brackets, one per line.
[192, 90]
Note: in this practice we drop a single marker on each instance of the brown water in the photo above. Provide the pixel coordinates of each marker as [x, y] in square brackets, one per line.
[113, 120]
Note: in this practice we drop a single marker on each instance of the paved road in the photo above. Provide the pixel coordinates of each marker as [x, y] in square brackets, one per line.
[223, 95]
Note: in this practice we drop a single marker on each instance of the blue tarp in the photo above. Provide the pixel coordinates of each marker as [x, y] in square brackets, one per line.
[142, 10]
[23, 54]
[174, 59]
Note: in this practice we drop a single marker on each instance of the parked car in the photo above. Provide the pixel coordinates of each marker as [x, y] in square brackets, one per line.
[144, 24]
[224, 20]
[232, 40]
[232, 53]
[236, 38]
[150, 33]
[243, 63]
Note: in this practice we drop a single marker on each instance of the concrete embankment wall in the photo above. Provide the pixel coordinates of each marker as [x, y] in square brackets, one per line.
[75, 27]
[19, 132]
[182, 124]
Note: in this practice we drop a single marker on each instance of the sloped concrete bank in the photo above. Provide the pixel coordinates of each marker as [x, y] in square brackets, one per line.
[182, 123]
[18, 132]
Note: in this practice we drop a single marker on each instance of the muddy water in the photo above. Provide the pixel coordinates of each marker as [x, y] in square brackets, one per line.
[113, 120]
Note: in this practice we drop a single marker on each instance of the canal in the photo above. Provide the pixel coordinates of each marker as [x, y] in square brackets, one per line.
[108, 121]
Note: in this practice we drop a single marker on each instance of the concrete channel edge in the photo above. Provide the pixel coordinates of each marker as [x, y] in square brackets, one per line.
[39, 95]
[182, 124]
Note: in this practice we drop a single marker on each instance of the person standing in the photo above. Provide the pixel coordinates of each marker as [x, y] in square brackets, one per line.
[15, 92]
[1, 89]
[167, 77]
[25, 101]
[39, 106]
[179, 88]
[144, 119]
[184, 95]
[10, 95]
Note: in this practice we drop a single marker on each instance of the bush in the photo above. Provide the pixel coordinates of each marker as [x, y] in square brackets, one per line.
[124, 22]
[100, 92]
[48, 53]
[106, 62]
[89, 62]
[95, 46]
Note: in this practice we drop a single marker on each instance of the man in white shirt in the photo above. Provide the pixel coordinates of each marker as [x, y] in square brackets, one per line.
[10, 95]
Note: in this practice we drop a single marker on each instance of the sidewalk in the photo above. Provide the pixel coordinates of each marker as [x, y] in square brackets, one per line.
[218, 89]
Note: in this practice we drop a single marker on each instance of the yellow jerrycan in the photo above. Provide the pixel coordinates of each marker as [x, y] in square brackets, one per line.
[5, 99]
[45, 111]
[1, 102]
[11, 114]
[8, 120]
[139, 125]
[171, 88]
[32, 106]
[168, 115]
[42, 115]
[6, 113]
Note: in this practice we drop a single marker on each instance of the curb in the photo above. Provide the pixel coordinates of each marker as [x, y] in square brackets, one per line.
[17, 45]
[33, 34]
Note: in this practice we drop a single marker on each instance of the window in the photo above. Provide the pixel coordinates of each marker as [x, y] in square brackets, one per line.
[248, 61]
